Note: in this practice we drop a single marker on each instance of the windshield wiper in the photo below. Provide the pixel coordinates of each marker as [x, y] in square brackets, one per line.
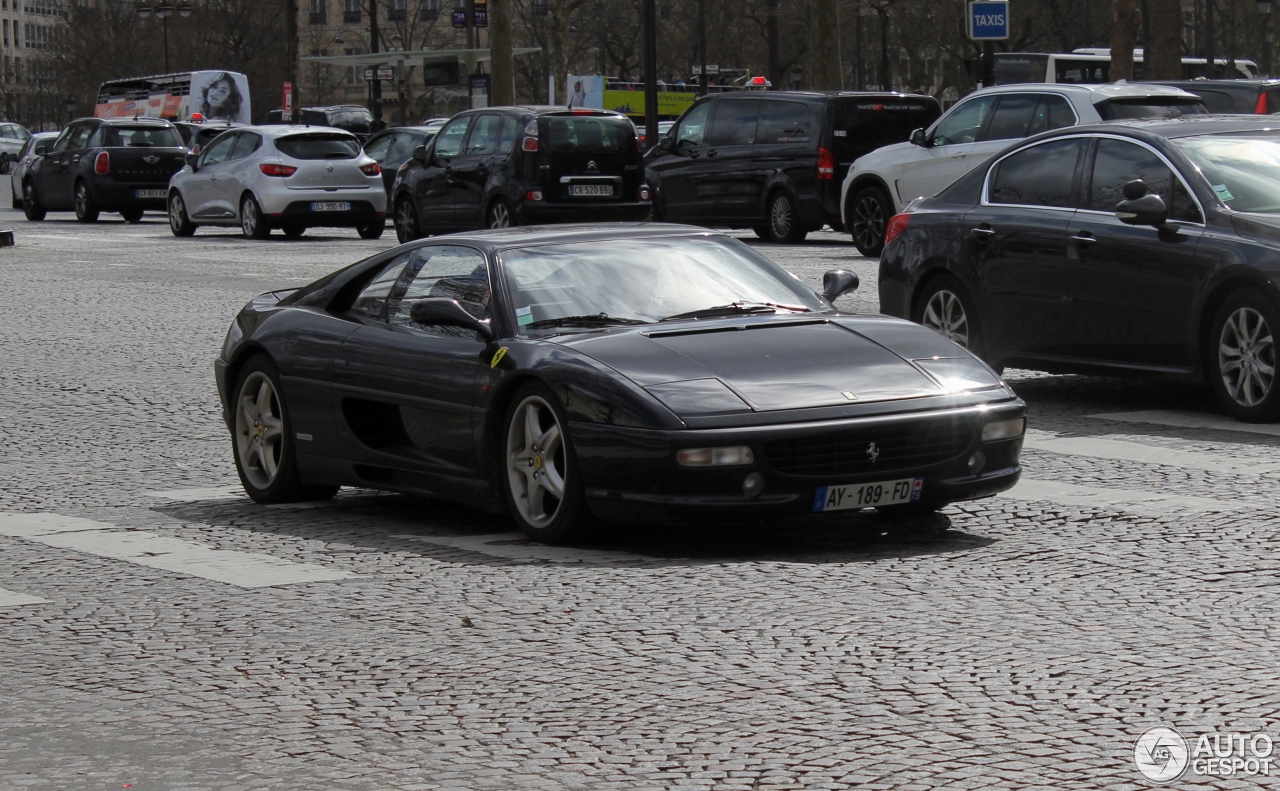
[591, 320]
[735, 308]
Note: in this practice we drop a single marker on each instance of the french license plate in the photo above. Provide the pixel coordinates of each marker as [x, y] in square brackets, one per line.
[868, 495]
[149, 193]
[331, 206]
[592, 190]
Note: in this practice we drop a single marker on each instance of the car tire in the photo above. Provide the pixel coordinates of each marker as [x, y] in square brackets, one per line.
[17, 199]
[499, 215]
[538, 471]
[252, 224]
[372, 230]
[1242, 357]
[262, 438]
[132, 215]
[782, 221]
[869, 214]
[179, 223]
[406, 221]
[945, 307]
[86, 209]
[31, 202]
[294, 231]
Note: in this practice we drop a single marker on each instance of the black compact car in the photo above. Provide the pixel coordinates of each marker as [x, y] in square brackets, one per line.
[1253, 97]
[394, 147]
[774, 162]
[634, 372]
[351, 117]
[97, 165]
[505, 166]
[1133, 247]
[198, 134]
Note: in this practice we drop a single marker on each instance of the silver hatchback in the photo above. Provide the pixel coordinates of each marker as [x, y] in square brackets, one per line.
[287, 177]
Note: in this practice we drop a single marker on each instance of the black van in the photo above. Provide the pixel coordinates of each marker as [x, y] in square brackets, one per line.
[774, 161]
[351, 117]
[503, 166]
[1252, 97]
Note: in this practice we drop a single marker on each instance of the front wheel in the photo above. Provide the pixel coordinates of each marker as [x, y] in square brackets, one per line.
[252, 224]
[406, 221]
[539, 469]
[263, 442]
[499, 215]
[784, 223]
[31, 202]
[179, 223]
[868, 216]
[1242, 357]
[945, 308]
[372, 230]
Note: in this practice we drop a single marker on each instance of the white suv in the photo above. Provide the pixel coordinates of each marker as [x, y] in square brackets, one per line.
[879, 184]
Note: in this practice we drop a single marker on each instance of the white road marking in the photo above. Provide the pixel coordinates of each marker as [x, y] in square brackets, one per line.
[1124, 450]
[228, 492]
[1153, 503]
[242, 569]
[516, 546]
[1169, 417]
[11, 599]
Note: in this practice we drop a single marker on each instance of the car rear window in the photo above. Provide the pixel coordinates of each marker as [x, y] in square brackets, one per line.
[140, 136]
[1149, 107]
[360, 121]
[319, 145]
[582, 134]
[860, 126]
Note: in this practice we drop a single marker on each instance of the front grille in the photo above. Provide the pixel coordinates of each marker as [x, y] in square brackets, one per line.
[900, 446]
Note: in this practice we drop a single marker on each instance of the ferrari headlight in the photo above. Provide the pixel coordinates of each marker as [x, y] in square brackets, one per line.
[715, 457]
[997, 430]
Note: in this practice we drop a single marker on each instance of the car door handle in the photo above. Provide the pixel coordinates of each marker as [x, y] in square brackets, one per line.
[983, 233]
[711, 153]
[1083, 239]
[213, 178]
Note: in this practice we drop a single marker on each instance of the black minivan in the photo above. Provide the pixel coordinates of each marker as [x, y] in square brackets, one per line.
[502, 166]
[774, 161]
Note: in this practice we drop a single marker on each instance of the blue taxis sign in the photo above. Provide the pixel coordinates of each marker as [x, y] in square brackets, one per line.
[988, 20]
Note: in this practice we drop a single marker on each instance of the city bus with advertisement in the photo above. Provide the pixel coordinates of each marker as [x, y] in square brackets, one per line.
[212, 95]
[1093, 65]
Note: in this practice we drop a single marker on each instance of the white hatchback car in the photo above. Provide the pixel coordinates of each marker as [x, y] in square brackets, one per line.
[984, 123]
[288, 177]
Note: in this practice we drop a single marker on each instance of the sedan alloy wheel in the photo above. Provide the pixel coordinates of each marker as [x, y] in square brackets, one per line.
[1247, 357]
[944, 313]
[406, 221]
[499, 215]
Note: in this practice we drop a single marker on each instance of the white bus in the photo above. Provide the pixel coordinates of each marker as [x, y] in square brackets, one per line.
[1093, 65]
[213, 95]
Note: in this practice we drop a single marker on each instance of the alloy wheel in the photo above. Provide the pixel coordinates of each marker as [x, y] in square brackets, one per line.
[499, 215]
[249, 218]
[780, 217]
[406, 222]
[536, 461]
[944, 314]
[1247, 357]
[868, 222]
[176, 210]
[259, 430]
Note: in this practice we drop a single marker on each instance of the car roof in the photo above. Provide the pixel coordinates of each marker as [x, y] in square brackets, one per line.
[405, 129]
[1191, 85]
[813, 95]
[498, 239]
[279, 130]
[1094, 93]
[1183, 126]
[141, 119]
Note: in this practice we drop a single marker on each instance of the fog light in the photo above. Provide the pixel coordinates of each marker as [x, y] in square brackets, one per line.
[753, 485]
[715, 457]
[1003, 429]
[976, 462]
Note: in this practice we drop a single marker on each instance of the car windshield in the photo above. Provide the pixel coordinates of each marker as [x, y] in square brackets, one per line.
[321, 145]
[1243, 169]
[140, 136]
[1150, 107]
[647, 280]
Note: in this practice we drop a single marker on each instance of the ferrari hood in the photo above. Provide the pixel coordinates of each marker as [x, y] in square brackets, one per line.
[791, 363]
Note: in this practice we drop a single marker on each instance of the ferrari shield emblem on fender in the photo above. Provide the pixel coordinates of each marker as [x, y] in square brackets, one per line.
[497, 357]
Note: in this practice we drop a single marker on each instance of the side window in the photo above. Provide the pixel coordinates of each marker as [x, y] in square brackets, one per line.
[7, 132]
[1037, 176]
[1118, 162]
[372, 302]
[784, 122]
[1053, 112]
[63, 140]
[80, 136]
[377, 149]
[21, 133]
[218, 151]
[1012, 116]
[734, 123]
[246, 144]
[449, 141]
[963, 123]
[402, 148]
[693, 127]
[507, 141]
[484, 136]
[459, 273]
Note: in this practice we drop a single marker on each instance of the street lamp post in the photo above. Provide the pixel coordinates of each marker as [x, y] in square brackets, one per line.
[163, 9]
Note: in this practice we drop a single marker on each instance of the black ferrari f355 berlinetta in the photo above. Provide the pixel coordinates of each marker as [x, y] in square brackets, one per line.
[634, 372]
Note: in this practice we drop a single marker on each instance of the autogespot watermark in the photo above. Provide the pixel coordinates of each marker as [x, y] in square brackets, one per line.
[1163, 755]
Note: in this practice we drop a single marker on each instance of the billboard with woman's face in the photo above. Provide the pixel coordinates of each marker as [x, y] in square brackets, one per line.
[220, 95]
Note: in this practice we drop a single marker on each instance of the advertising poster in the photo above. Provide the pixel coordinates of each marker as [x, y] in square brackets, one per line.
[479, 91]
[220, 95]
[670, 103]
[585, 90]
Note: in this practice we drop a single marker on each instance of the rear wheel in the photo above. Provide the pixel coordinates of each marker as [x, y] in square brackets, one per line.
[294, 231]
[539, 468]
[499, 215]
[179, 223]
[1242, 357]
[868, 216]
[945, 308]
[252, 224]
[131, 215]
[372, 230]
[406, 221]
[784, 223]
[5, 163]
[86, 209]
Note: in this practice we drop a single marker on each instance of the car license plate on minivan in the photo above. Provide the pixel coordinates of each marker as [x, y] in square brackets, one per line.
[140, 194]
[592, 190]
[331, 206]
[868, 495]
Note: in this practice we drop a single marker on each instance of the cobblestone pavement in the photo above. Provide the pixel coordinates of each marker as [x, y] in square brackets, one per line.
[1019, 642]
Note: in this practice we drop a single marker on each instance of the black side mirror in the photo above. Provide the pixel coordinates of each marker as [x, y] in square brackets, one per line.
[420, 154]
[837, 282]
[666, 143]
[1141, 207]
[193, 160]
[444, 312]
[41, 149]
[917, 137]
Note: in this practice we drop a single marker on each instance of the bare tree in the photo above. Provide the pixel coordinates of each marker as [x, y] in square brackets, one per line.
[1126, 22]
[1162, 58]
